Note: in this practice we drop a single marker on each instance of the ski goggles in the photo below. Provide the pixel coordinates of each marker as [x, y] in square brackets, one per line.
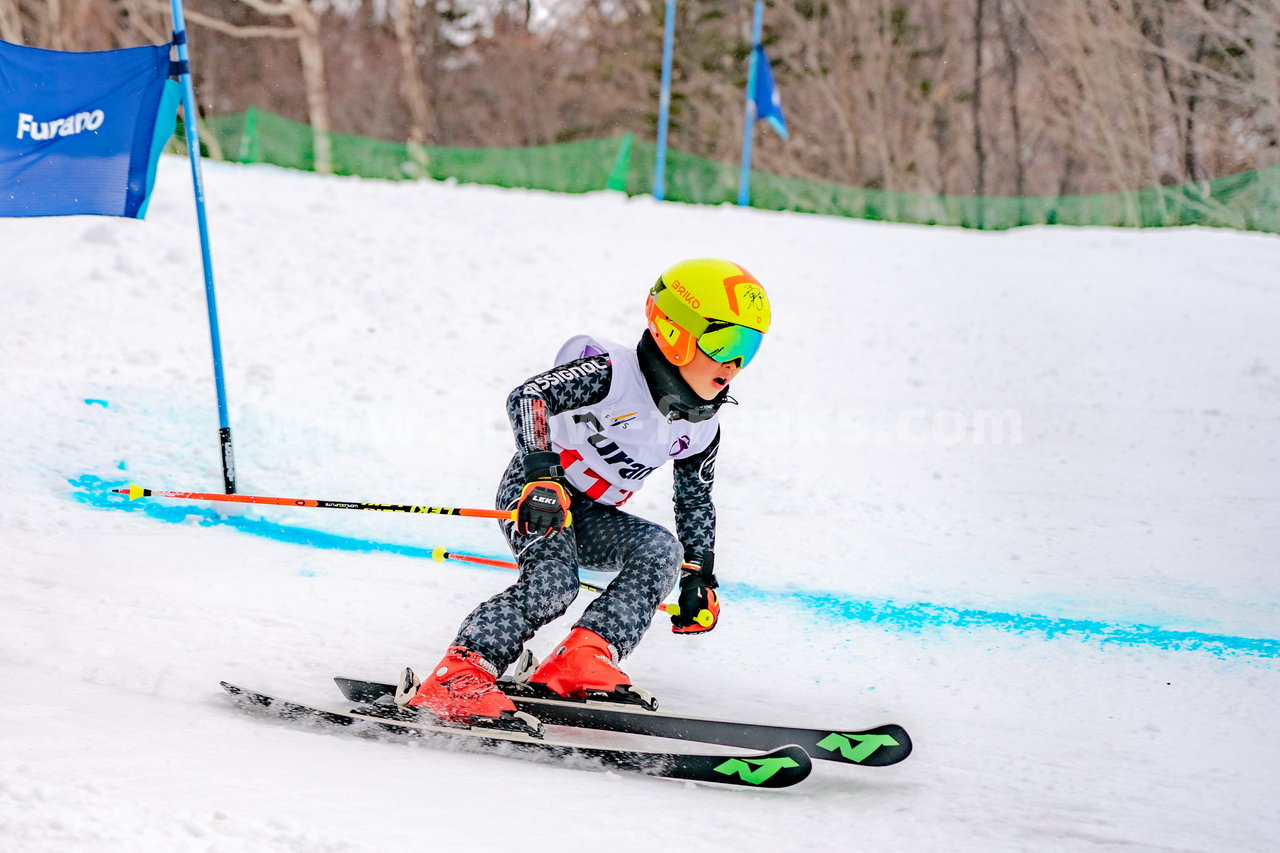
[729, 342]
[718, 340]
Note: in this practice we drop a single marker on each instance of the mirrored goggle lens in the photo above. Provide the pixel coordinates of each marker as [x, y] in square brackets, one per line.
[730, 342]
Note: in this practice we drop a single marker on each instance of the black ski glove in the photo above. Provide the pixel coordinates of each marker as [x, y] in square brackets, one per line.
[699, 606]
[543, 506]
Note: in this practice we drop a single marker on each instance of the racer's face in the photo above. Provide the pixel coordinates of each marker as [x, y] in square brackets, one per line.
[708, 377]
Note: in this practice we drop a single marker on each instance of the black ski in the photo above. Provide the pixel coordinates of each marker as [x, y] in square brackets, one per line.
[875, 747]
[776, 768]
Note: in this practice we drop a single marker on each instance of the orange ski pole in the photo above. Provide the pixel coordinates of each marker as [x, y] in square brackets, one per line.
[135, 491]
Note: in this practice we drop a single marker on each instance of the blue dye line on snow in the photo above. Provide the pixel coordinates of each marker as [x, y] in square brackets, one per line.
[907, 617]
[919, 616]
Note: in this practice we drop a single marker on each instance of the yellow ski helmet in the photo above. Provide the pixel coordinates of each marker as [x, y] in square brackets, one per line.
[713, 305]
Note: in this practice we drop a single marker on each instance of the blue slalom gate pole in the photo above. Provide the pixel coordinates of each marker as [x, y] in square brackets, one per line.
[197, 181]
[664, 102]
[749, 111]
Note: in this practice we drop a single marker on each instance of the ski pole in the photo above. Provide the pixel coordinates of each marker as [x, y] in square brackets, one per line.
[439, 554]
[135, 491]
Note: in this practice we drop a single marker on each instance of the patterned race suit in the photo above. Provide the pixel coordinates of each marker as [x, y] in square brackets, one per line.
[601, 411]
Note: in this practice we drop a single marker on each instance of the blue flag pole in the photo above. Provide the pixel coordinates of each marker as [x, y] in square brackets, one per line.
[749, 111]
[664, 102]
[193, 150]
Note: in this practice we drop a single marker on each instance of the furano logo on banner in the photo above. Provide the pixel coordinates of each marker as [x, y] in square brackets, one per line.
[68, 126]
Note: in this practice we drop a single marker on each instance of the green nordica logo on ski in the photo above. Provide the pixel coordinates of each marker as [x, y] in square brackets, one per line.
[857, 753]
[755, 771]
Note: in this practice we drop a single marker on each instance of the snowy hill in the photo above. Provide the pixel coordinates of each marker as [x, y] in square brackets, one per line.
[1017, 492]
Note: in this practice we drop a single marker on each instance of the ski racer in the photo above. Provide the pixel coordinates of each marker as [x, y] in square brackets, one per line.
[589, 431]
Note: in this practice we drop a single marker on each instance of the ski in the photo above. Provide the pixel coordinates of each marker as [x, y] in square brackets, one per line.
[874, 747]
[775, 768]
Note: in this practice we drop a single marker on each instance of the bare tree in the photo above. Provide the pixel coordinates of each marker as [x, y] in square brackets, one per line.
[988, 97]
[10, 22]
[1012, 60]
[306, 26]
[411, 87]
[979, 152]
[306, 30]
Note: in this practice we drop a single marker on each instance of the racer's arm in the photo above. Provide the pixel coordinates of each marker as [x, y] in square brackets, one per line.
[543, 506]
[695, 513]
[699, 606]
[570, 386]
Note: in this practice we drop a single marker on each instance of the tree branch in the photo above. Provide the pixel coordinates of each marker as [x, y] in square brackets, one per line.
[232, 29]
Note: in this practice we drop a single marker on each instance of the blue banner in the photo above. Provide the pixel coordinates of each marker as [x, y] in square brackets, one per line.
[80, 132]
[768, 102]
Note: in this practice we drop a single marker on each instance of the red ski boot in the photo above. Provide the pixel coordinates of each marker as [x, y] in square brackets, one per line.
[585, 661]
[461, 689]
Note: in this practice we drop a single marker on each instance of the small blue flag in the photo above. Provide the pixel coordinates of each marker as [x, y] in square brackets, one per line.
[768, 103]
[80, 133]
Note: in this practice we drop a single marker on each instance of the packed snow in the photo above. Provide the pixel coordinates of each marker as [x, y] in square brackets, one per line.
[1019, 492]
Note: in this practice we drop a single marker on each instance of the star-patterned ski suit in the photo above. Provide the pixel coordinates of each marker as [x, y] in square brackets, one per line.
[614, 414]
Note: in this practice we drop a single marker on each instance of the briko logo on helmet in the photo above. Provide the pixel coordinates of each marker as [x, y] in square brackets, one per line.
[693, 301]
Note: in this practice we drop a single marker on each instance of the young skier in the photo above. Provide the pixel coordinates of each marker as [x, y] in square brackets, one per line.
[588, 432]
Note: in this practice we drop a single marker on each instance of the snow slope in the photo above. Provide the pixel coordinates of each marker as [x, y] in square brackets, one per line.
[1016, 491]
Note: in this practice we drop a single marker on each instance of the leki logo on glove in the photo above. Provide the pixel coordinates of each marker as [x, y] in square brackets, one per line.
[865, 747]
[755, 771]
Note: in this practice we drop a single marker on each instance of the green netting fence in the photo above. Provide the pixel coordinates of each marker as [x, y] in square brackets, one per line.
[1247, 201]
